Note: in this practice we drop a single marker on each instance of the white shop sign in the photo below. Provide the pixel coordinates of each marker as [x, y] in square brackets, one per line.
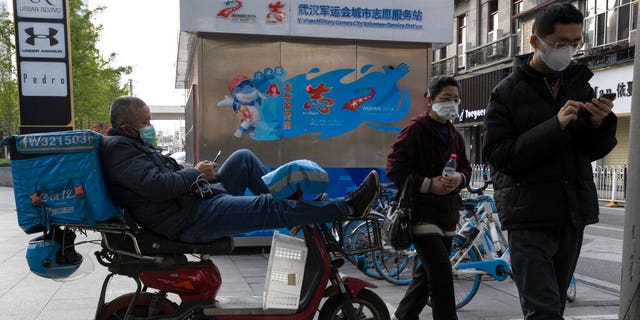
[41, 40]
[42, 9]
[43, 78]
[615, 80]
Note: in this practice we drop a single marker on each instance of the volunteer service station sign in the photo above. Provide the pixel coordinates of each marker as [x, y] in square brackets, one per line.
[382, 20]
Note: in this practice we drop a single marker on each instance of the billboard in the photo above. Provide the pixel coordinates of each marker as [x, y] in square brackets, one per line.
[397, 20]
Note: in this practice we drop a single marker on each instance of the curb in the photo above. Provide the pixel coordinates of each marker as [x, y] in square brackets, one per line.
[607, 287]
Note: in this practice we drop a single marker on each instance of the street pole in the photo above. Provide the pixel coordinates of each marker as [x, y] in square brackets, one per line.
[630, 288]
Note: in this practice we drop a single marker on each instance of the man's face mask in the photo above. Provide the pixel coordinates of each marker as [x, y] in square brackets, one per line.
[147, 134]
[446, 110]
[556, 59]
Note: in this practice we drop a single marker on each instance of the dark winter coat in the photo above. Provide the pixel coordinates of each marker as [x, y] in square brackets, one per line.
[420, 150]
[542, 174]
[151, 188]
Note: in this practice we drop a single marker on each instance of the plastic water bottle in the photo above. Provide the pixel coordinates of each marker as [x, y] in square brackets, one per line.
[450, 167]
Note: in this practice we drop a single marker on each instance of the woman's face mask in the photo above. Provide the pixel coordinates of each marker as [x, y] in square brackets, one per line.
[556, 59]
[446, 110]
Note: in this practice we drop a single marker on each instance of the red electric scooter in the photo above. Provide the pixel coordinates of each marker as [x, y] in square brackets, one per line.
[162, 267]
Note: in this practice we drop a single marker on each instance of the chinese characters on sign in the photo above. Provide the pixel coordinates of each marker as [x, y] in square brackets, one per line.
[359, 17]
[623, 89]
[380, 20]
[359, 12]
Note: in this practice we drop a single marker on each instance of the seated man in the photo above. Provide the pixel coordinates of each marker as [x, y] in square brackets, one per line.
[158, 194]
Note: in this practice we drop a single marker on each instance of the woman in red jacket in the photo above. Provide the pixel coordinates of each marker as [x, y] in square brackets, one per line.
[420, 152]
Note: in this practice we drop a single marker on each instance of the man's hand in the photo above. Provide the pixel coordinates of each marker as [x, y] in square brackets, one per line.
[599, 109]
[443, 185]
[208, 169]
[569, 112]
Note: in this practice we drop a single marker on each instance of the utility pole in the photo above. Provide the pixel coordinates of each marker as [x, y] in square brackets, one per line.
[130, 87]
[630, 288]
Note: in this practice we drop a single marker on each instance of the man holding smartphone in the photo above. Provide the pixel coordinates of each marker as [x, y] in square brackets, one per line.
[185, 203]
[543, 128]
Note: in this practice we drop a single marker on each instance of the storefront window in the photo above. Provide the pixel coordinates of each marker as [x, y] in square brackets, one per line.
[609, 21]
[612, 20]
[600, 28]
[589, 30]
[590, 10]
[517, 7]
[634, 16]
[601, 6]
[623, 22]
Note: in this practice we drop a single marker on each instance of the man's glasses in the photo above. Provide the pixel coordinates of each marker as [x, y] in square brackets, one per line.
[576, 44]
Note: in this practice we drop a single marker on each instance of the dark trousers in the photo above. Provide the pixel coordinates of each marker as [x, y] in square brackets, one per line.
[543, 261]
[433, 278]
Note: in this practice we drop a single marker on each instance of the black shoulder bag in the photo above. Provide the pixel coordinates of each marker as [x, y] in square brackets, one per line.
[396, 227]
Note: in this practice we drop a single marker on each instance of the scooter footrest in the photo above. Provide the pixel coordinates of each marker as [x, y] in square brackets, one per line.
[228, 306]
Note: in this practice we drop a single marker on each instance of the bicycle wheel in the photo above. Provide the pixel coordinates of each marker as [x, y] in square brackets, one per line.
[395, 266]
[465, 284]
[357, 236]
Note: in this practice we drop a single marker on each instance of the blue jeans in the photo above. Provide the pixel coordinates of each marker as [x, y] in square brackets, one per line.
[232, 213]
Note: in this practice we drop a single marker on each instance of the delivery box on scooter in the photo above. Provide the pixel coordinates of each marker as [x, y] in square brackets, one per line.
[57, 179]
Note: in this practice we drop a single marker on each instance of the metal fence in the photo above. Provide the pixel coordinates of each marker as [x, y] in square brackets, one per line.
[611, 181]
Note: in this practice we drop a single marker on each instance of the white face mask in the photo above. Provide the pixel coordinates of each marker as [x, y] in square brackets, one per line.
[556, 59]
[446, 110]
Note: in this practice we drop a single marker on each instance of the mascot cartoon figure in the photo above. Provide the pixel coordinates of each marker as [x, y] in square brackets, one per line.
[245, 99]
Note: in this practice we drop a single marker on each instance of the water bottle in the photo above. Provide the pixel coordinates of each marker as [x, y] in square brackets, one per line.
[450, 167]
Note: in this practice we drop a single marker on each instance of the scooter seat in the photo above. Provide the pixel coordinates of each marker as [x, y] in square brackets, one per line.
[152, 243]
[132, 239]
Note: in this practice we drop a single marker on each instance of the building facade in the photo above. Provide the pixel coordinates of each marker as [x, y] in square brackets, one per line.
[489, 33]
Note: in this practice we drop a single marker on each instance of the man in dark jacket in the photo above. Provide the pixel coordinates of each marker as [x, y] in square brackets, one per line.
[421, 150]
[543, 128]
[179, 202]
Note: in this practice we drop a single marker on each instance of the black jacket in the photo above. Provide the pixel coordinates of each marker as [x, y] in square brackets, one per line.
[152, 188]
[420, 150]
[542, 174]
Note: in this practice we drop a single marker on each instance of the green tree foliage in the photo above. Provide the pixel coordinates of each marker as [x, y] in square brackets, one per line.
[9, 119]
[95, 82]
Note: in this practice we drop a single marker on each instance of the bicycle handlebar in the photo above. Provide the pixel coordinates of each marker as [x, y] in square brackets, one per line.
[480, 190]
[485, 178]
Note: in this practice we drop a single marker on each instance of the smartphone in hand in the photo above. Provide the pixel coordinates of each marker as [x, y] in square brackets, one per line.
[217, 156]
[608, 96]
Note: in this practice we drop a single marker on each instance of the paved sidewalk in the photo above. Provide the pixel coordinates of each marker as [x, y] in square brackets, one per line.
[24, 295]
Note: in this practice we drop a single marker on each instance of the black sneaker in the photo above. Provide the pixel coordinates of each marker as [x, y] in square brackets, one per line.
[360, 200]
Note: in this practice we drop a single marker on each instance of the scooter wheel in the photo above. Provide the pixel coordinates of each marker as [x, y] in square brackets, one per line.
[116, 308]
[367, 304]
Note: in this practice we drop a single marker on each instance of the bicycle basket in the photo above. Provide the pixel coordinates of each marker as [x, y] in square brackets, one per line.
[360, 236]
